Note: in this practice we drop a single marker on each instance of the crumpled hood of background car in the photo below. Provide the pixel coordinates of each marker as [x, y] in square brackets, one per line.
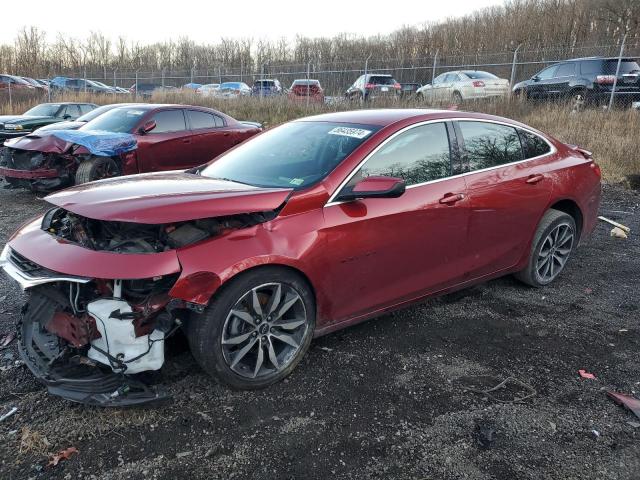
[39, 142]
[166, 197]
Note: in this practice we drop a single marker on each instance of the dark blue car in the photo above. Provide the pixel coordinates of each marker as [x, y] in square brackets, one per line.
[266, 88]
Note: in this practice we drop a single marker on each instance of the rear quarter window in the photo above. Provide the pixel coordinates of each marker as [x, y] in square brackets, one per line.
[533, 145]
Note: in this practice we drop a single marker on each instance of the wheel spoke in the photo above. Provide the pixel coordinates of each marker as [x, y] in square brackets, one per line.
[259, 360]
[290, 324]
[245, 316]
[241, 354]
[255, 303]
[237, 340]
[287, 304]
[288, 339]
[273, 358]
[274, 301]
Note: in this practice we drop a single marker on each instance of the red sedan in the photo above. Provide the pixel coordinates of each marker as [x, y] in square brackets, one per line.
[310, 227]
[163, 137]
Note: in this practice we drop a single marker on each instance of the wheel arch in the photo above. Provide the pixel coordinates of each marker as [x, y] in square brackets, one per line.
[570, 207]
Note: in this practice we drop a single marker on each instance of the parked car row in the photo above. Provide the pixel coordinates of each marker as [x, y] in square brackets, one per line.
[162, 137]
[307, 228]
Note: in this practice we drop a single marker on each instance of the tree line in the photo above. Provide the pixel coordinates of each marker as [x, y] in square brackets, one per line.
[536, 24]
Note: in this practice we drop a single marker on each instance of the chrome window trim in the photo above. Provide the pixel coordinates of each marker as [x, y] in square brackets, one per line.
[553, 150]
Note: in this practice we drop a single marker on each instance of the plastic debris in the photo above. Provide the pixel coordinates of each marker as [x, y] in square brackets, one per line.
[634, 424]
[6, 339]
[619, 233]
[61, 455]
[530, 391]
[628, 401]
[624, 228]
[8, 414]
[585, 374]
[596, 433]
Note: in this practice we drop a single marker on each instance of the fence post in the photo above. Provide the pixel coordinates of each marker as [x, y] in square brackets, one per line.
[163, 74]
[615, 81]
[513, 65]
[308, 86]
[115, 83]
[192, 70]
[219, 74]
[261, 78]
[85, 77]
[241, 64]
[10, 98]
[366, 67]
[435, 62]
[136, 98]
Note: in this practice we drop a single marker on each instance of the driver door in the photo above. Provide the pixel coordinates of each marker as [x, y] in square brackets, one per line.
[383, 251]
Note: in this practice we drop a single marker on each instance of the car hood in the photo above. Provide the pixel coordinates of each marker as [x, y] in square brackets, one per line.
[21, 118]
[39, 141]
[166, 197]
[60, 126]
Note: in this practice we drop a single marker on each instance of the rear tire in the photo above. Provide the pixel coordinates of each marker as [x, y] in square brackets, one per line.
[243, 347]
[96, 168]
[552, 245]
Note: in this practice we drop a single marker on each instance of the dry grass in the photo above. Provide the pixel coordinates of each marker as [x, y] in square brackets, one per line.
[613, 137]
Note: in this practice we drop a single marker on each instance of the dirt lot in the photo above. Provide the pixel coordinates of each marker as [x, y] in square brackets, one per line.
[385, 399]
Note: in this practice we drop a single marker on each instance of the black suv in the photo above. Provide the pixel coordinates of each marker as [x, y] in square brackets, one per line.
[584, 79]
[375, 85]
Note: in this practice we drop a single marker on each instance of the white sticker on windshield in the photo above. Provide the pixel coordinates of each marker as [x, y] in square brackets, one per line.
[350, 132]
[135, 112]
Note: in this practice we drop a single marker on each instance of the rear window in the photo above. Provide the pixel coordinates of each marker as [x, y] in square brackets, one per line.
[608, 67]
[199, 120]
[478, 75]
[264, 83]
[382, 80]
[489, 145]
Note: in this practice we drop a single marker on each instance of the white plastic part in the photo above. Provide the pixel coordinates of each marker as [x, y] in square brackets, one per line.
[118, 338]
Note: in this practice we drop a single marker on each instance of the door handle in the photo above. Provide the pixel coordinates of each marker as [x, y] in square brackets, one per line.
[533, 179]
[451, 198]
[186, 140]
[226, 134]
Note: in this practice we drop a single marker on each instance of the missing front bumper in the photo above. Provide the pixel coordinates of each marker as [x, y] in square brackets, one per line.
[75, 379]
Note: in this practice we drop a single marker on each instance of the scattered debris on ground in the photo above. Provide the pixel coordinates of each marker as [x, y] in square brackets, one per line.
[628, 401]
[587, 375]
[62, 455]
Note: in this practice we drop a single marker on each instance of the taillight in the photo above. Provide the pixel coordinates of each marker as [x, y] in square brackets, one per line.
[396, 86]
[606, 79]
[478, 83]
[369, 86]
[596, 168]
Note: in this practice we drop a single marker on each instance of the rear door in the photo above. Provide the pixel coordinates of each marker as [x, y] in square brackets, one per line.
[210, 137]
[508, 190]
[385, 251]
[168, 146]
[559, 84]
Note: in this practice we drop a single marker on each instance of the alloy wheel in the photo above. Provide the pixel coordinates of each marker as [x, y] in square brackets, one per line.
[554, 252]
[264, 330]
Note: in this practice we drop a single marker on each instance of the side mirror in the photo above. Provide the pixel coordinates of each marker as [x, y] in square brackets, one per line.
[66, 116]
[375, 187]
[535, 78]
[147, 127]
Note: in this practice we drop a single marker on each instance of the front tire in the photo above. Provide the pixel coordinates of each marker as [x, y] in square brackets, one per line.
[553, 243]
[96, 168]
[256, 329]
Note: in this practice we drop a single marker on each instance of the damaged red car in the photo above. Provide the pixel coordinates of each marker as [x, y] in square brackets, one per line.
[122, 141]
[307, 228]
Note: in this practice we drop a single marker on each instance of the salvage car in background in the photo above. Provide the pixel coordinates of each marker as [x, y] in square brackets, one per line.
[464, 85]
[266, 87]
[83, 119]
[584, 80]
[12, 126]
[208, 89]
[233, 90]
[372, 86]
[157, 137]
[290, 235]
[303, 89]
[14, 82]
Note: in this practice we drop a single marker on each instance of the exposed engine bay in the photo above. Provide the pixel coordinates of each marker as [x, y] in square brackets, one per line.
[127, 237]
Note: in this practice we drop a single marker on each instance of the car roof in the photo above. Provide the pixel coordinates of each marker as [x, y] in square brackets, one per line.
[389, 116]
[68, 103]
[596, 58]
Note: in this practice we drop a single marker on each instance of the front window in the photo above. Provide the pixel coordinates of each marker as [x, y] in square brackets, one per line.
[294, 155]
[119, 120]
[44, 110]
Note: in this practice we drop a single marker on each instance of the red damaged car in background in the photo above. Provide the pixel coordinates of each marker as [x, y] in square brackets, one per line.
[308, 228]
[122, 141]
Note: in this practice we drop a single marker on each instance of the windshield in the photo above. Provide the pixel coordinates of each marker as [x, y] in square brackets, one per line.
[96, 112]
[477, 75]
[294, 155]
[119, 120]
[44, 110]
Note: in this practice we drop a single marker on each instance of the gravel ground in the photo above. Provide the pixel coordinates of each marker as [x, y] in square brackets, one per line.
[385, 399]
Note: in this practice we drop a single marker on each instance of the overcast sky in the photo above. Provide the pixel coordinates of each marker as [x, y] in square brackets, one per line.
[206, 21]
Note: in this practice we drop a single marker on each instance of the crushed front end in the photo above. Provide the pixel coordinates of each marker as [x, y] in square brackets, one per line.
[91, 339]
[39, 171]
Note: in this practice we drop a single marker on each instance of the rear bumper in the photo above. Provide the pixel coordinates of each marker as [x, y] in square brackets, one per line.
[41, 173]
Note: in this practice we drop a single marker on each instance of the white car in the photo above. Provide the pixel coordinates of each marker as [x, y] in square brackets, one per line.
[464, 85]
[208, 90]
